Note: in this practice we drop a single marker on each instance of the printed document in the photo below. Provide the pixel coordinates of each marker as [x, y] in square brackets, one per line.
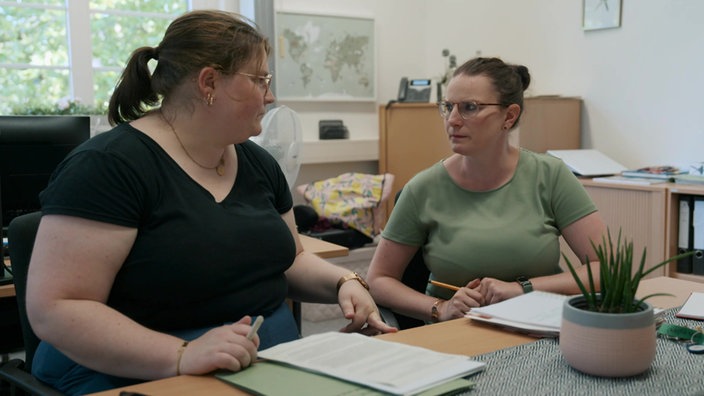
[538, 313]
[391, 367]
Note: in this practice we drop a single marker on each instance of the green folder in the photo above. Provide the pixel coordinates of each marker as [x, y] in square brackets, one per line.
[274, 379]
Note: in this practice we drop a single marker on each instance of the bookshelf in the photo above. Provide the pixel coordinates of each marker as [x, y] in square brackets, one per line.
[672, 230]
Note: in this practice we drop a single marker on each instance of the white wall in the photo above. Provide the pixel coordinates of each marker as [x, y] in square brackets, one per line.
[399, 49]
[641, 83]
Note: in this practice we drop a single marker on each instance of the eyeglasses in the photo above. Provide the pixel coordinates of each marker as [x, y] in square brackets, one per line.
[264, 81]
[467, 110]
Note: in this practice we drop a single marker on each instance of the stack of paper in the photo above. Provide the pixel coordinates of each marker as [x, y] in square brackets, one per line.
[390, 367]
[664, 172]
[588, 162]
[641, 181]
[538, 313]
[693, 308]
[689, 179]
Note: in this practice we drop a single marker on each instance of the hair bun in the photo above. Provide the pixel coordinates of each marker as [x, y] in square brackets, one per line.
[524, 74]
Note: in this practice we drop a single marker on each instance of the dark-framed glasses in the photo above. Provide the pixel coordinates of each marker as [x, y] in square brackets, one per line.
[466, 109]
[264, 81]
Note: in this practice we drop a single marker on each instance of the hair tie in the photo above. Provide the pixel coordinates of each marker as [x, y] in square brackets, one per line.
[155, 53]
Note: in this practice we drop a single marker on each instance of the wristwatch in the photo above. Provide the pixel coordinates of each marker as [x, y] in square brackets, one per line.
[525, 284]
[351, 276]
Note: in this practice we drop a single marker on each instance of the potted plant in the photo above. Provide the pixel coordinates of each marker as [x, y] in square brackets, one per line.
[609, 331]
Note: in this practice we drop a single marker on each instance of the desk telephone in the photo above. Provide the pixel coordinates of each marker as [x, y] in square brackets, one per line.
[416, 90]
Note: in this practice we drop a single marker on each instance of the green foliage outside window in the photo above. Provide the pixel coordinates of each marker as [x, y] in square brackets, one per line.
[64, 106]
[34, 50]
[37, 37]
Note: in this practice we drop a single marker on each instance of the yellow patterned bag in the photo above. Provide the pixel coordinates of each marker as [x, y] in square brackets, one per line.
[354, 198]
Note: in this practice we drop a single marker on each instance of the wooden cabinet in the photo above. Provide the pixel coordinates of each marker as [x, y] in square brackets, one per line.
[638, 211]
[648, 215]
[550, 123]
[411, 138]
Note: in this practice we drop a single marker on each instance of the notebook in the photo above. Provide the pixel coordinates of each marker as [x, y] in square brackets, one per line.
[588, 162]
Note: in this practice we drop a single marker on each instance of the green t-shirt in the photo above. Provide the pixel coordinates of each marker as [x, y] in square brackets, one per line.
[504, 233]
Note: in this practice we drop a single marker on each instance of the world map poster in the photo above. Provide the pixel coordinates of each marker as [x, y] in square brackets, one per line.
[324, 58]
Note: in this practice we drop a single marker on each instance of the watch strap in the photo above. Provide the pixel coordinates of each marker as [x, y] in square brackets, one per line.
[525, 284]
[350, 276]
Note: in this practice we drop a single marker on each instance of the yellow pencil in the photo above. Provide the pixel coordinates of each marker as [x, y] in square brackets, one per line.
[444, 285]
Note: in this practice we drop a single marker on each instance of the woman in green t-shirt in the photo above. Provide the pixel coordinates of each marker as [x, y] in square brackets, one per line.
[489, 217]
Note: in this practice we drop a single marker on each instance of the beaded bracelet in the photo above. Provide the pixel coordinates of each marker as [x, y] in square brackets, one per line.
[434, 312]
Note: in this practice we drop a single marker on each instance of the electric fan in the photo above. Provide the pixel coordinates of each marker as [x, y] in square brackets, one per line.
[281, 136]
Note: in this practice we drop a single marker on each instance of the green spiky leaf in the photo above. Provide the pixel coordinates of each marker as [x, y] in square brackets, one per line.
[619, 281]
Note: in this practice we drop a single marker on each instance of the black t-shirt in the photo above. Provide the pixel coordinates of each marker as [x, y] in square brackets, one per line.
[195, 262]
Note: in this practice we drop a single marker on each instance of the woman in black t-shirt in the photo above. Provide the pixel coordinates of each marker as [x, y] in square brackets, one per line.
[163, 237]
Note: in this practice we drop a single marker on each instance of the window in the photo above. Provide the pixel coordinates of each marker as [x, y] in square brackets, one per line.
[118, 27]
[34, 52]
[55, 49]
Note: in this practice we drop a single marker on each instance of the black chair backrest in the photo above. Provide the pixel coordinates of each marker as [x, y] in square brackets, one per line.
[416, 277]
[21, 233]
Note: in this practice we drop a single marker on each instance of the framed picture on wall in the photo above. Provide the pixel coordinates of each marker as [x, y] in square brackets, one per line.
[601, 14]
[324, 57]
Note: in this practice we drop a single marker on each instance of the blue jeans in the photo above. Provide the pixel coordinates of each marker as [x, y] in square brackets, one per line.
[57, 370]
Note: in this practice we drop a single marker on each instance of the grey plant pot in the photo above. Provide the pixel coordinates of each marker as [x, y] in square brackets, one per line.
[607, 344]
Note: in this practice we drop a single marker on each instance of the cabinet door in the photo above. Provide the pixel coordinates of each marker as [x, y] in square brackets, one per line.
[639, 212]
[411, 138]
[550, 123]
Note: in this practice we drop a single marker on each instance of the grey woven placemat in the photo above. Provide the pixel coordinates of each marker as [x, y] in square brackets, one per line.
[538, 368]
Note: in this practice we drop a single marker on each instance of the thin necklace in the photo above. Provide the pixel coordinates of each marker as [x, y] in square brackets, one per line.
[219, 168]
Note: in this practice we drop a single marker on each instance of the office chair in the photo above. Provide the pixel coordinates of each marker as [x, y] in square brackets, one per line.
[21, 233]
[416, 277]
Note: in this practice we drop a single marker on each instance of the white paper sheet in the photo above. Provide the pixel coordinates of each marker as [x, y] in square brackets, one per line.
[388, 366]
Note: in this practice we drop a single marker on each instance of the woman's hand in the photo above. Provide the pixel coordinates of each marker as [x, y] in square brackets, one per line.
[495, 290]
[461, 302]
[224, 347]
[359, 307]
